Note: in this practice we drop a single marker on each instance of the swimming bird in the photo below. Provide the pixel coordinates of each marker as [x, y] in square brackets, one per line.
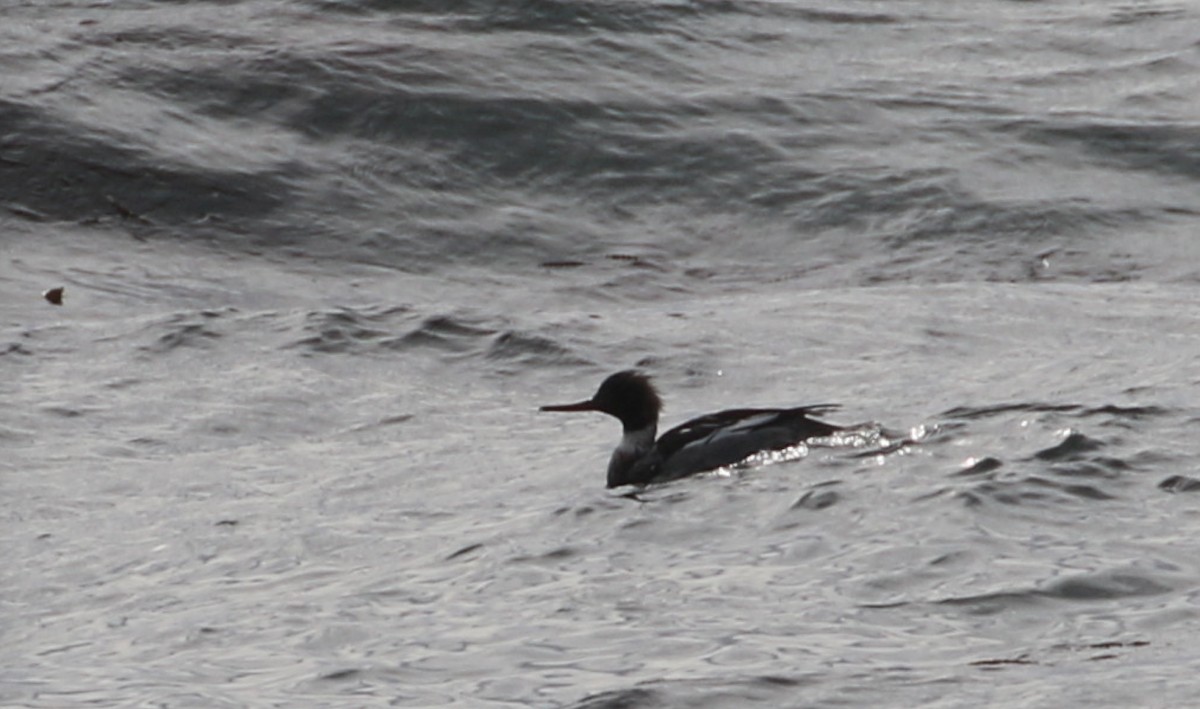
[701, 444]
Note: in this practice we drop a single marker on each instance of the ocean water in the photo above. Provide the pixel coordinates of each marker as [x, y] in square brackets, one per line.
[322, 261]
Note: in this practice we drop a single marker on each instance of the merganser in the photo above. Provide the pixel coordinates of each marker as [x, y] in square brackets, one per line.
[704, 443]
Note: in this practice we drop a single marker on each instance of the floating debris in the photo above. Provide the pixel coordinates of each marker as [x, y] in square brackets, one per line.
[54, 295]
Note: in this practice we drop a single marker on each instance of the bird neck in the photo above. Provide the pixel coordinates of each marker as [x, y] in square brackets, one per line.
[634, 445]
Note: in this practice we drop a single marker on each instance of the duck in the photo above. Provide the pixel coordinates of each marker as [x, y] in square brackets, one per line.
[702, 444]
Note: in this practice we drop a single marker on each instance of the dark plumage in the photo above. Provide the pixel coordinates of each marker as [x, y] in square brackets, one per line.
[701, 444]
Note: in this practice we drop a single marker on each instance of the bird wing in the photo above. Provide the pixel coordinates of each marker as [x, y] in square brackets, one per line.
[712, 428]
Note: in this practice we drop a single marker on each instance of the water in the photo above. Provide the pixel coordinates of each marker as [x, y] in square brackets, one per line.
[323, 261]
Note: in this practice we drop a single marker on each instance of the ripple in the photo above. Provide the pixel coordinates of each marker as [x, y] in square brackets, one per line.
[1180, 483]
[554, 555]
[980, 466]
[621, 699]
[445, 333]
[376, 330]
[1105, 586]
[185, 330]
[530, 351]
[347, 330]
[994, 603]
[14, 348]
[816, 500]
[1031, 490]
[758, 690]
[1130, 412]
[980, 412]
[339, 675]
[1070, 448]
[1165, 149]
[464, 551]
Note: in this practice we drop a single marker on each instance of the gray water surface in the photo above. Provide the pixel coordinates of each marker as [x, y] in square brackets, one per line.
[279, 446]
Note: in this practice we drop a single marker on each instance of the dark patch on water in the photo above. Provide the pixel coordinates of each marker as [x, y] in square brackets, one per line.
[1102, 467]
[15, 348]
[1100, 586]
[994, 603]
[185, 331]
[72, 172]
[1173, 150]
[636, 698]
[816, 500]
[348, 330]
[637, 261]
[1028, 659]
[338, 675]
[972, 222]
[1019, 660]
[1132, 412]
[530, 351]
[395, 419]
[1088, 492]
[1104, 586]
[1070, 448]
[1180, 483]
[464, 551]
[1030, 490]
[566, 17]
[759, 690]
[372, 332]
[64, 411]
[980, 412]
[780, 681]
[336, 332]
[600, 19]
[553, 555]
[445, 333]
[1117, 644]
[980, 467]
[950, 558]
[123, 383]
